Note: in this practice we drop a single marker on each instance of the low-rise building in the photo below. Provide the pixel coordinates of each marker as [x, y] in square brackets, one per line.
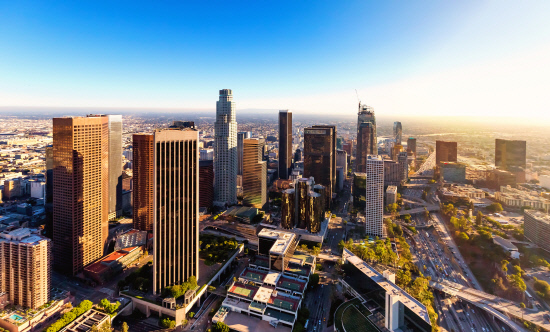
[520, 197]
[508, 246]
[453, 172]
[537, 228]
[102, 270]
[391, 195]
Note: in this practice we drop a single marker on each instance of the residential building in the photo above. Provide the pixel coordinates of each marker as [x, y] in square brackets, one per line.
[254, 176]
[143, 147]
[537, 228]
[397, 132]
[522, 198]
[403, 167]
[25, 267]
[80, 191]
[176, 205]
[225, 150]
[510, 154]
[285, 144]
[375, 197]
[391, 195]
[445, 152]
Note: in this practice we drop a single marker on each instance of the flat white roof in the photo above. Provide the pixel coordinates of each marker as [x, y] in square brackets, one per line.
[263, 294]
[272, 277]
[282, 240]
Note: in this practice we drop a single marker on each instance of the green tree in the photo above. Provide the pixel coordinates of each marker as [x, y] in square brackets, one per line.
[479, 218]
[125, 327]
[495, 207]
[220, 327]
[191, 314]
[463, 236]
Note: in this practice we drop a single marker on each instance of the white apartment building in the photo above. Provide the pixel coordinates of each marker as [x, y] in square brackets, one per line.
[25, 267]
[519, 198]
[225, 150]
[374, 213]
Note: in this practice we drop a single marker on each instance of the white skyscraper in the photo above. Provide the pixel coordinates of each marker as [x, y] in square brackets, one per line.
[225, 151]
[374, 213]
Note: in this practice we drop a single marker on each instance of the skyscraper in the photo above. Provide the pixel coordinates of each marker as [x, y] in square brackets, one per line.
[241, 136]
[80, 191]
[115, 164]
[403, 167]
[411, 146]
[206, 183]
[445, 151]
[303, 206]
[143, 150]
[510, 154]
[397, 132]
[320, 157]
[176, 205]
[374, 213]
[225, 150]
[285, 144]
[366, 136]
[254, 173]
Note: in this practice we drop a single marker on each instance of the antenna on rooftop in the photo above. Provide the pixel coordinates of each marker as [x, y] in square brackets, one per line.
[357, 94]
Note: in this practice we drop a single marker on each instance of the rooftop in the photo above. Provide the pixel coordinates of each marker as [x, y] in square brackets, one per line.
[242, 290]
[282, 240]
[263, 294]
[405, 298]
[540, 216]
[292, 284]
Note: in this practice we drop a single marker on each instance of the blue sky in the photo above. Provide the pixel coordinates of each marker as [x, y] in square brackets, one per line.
[425, 57]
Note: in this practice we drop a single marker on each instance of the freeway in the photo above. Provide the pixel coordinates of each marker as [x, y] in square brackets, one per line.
[493, 304]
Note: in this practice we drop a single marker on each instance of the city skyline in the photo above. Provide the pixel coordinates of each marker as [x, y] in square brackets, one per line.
[467, 53]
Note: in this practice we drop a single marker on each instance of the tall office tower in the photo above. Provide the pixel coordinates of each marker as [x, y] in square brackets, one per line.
[206, 183]
[397, 132]
[445, 151]
[48, 228]
[392, 175]
[142, 193]
[365, 137]
[25, 268]
[366, 141]
[81, 191]
[395, 151]
[285, 144]
[241, 136]
[510, 154]
[225, 150]
[176, 207]
[320, 157]
[254, 173]
[342, 161]
[411, 146]
[374, 213]
[288, 208]
[403, 167]
[333, 149]
[115, 164]
[298, 155]
[304, 206]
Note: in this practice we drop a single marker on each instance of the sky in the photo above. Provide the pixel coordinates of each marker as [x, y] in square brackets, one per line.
[425, 58]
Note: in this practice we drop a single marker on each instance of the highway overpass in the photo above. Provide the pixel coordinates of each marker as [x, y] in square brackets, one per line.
[430, 208]
[499, 307]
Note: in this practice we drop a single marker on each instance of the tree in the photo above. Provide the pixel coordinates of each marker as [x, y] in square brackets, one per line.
[106, 327]
[495, 207]
[220, 327]
[463, 236]
[341, 245]
[479, 218]
[426, 214]
[211, 289]
[191, 314]
[125, 327]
